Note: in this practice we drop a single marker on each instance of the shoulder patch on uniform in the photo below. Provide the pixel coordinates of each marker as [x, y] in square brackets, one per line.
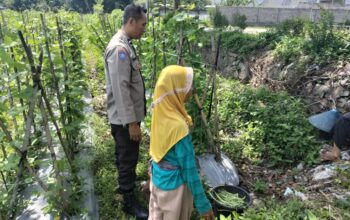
[121, 55]
[121, 49]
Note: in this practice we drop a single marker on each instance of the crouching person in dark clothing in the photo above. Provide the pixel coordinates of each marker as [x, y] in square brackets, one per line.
[341, 137]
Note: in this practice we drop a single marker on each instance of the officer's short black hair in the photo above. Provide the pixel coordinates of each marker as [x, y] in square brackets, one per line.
[133, 11]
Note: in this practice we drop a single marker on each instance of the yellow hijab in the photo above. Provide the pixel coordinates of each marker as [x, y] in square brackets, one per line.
[170, 121]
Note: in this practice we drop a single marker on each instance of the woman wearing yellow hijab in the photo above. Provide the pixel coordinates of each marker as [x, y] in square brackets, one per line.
[175, 181]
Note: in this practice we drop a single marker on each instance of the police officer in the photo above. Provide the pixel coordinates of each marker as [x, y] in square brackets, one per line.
[126, 103]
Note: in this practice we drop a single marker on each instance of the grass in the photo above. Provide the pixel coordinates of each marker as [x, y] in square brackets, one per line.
[105, 172]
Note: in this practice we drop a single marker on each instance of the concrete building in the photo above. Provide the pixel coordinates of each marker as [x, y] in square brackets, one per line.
[300, 3]
[293, 3]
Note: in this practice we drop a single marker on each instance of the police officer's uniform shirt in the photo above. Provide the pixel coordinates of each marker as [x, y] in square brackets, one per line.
[124, 82]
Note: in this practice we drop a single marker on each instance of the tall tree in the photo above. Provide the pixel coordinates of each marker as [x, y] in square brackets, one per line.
[55, 4]
[20, 5]
[82, 6]
[110, 5]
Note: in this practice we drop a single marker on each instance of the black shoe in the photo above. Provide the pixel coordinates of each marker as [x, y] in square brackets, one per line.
[133, 207]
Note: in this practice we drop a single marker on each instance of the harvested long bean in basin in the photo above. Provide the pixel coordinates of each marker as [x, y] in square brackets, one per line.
[228, 199]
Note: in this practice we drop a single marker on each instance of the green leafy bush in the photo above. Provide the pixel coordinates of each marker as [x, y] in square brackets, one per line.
[239, 20]
[347, 22]
[236, 2]
[319, 41]
[290, 209]
[290, 48]
[293, 39]
[246, 44]
[260, 187]
[343, 177]
[218, 19]
[240, 43]
[292, 27]
[265, 126]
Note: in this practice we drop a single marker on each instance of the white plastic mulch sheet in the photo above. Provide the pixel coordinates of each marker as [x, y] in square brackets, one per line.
[217, 173]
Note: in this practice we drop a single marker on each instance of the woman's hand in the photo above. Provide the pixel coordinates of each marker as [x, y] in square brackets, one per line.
[209, 215]
[330, 155]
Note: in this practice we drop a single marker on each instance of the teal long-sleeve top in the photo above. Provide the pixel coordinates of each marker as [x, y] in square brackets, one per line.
[182, 156]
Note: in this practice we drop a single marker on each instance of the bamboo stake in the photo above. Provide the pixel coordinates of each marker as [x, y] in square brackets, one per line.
[154, 54]
[9, 93]
[216, 126]
[11, 210]
[19, 173]
[58, 130]
[24, 161]
[24, 25]
[190, 48]
[52, 69]
[102, 46]
[33, 37]
[3, 18]
[34, 94]
[216, 119]
[23, 154]
[211, 75]
[65, 72]
[204, 95]
[36, 80]
[9, 137]
[1, 36]
[164, 55]
[11, 100]
[210, 138]
[110, 27]
[29, 119]
[58, 175]
[114, 25]
[37, 85]
[18, 82]
[103, 24]
[179, 52]
[35, 175]
[7, 133]
[4, 179]
[214, 74]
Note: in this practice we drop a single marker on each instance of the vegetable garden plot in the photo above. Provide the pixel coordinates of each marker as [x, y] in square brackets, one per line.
[41, 109]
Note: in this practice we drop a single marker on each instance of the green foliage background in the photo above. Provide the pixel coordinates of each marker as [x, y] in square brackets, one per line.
[265, 126]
